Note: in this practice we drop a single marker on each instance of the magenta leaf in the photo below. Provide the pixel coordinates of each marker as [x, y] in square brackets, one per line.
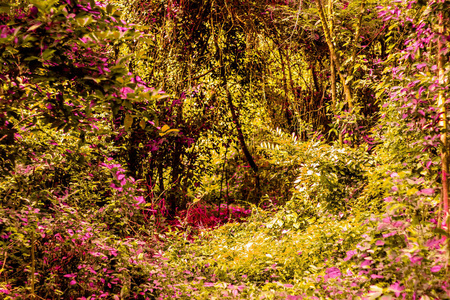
[350, 255]
[427, 192]
[436, 269]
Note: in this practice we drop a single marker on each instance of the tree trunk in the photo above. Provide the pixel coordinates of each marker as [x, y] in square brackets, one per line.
[356, 38]
[285, 88]
[232, 108]
[221, 181]
[240, 135]
[161, 178]
[332, 68]
[443, 125]
[329, 40]
[333, 84]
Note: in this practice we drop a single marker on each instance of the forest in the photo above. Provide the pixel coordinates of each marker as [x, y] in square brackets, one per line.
[224, 149]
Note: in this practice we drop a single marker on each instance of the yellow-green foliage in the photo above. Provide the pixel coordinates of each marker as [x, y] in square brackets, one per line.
[256, 255]
[276, 254]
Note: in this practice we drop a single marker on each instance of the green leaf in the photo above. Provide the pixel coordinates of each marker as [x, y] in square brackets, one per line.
[109, 8]
[166, 129]
[348, 79]
[442, 232]
[35, 26]
[84, 21]
[376, 292]
[30, 58]
[92, 78]
[48, 54]
[128, 121]
[5, 8]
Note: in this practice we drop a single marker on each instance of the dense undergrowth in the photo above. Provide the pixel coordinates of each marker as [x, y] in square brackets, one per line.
[356, 214]
[362, 243]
